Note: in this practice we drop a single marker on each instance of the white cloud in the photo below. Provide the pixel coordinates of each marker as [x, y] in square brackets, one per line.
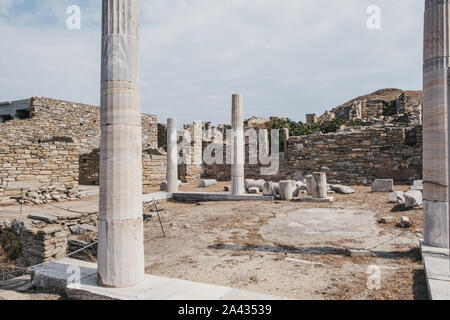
[287, 57]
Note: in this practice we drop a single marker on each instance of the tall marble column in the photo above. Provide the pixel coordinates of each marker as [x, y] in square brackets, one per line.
[237, 166]
[120, 248]
[435, 127]
[286, 141]
[172, 156]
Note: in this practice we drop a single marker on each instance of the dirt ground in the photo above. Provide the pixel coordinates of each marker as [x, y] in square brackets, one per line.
[287, 249]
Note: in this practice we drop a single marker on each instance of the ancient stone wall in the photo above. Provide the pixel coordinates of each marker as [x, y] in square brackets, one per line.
[35, 244]
[60, 144]
[382, 106]
[82, 122]
[33, 160]
[358, 156]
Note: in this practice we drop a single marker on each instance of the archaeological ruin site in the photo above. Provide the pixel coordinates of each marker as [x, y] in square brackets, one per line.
[107, 202]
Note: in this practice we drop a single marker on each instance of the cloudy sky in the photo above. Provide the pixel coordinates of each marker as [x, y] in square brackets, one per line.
[286, 57]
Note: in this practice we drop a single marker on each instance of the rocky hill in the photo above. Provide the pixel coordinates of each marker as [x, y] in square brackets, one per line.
[385, 105]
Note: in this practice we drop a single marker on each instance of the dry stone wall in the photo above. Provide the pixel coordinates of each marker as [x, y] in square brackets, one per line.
[58, 147]
[33, 161]
[358, 156]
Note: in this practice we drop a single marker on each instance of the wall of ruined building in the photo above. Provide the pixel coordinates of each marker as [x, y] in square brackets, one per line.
[82, 122]
[391, 106]
[359, 156]
[31, 159]
[73, 129]
[33, 244]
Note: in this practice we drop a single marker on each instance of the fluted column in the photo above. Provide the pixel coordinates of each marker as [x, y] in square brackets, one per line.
[435, 122]
[120, 248]
[172, 156]
[237, 166]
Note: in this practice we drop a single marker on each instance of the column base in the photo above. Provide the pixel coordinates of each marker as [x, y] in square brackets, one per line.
[435, 226]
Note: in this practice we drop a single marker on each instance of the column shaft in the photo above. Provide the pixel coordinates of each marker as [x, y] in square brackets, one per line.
[172, 156]
[237, 167]
[435, 122]
[120, 248]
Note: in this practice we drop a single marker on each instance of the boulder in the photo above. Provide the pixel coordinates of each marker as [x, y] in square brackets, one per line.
[341, 189]
[383, 185]
[397, 197]
[413, 199]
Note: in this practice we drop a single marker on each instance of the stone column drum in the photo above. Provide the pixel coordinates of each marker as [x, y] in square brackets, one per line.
[172, 156]
[435, 128]
[319, 185]
[237, 166]
[120, 247]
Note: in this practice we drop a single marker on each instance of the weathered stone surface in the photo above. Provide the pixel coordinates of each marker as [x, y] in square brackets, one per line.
[253, 190]
[341, 189]
[319, 185]
[207, 183]
[435, 123]
[120, 246]
[309, 184]
[172, 156]
[299, 175]
[383, 185]
[405, 222]
[287, 189]
[417, 185]
[397, 197]
[268, 189]
[413, 199]
[255, 184]
[358, 252]
[238, 161]
[163, 185]
[387, 220]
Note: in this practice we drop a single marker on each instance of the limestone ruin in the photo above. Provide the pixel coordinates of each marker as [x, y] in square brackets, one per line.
[117, 196]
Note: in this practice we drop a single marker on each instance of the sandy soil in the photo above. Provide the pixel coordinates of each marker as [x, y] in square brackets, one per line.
[288, 249]
[232, 244]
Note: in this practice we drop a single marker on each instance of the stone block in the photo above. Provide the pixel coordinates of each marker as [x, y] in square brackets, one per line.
[383, 185]
[207, 183]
